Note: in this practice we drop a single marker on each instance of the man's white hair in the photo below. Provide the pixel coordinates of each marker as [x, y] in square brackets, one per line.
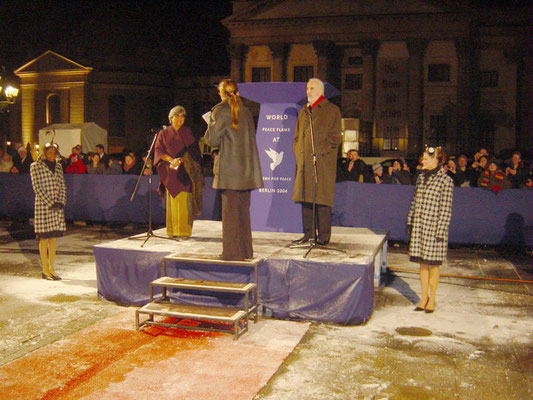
[178, 110]
[319, 83]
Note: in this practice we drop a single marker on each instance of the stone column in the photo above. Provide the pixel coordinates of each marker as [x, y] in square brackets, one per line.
[415, 105]
[28, 113]
[328, 64]
[369, 48]
[279, 52]
[77, 104]
[522, 129]
[465, 138]
[237, 53]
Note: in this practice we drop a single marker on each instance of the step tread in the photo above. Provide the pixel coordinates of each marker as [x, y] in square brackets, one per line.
[183, 283]
[190, 311]
[189, 258]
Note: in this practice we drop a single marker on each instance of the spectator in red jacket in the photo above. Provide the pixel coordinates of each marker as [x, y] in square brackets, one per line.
[75, 163]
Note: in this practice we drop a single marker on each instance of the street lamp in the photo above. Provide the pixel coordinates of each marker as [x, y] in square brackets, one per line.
[8, 93]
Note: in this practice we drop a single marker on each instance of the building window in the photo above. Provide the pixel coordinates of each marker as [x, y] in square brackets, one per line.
[439, 72]
[355, 61]
[53, 109]
[391, 144]
[489, 79]
[353, 81]
[437, 130]
[303, 73]
[117, 120]
[260, 74]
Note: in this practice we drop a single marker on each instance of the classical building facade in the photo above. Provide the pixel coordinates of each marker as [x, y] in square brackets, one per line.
[415, 72]
[55, 89]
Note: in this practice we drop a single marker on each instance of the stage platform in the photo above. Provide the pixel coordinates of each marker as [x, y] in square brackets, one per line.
[328, 285]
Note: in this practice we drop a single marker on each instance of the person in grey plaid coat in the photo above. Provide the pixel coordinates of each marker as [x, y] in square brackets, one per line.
[428, 221]
[50, 199]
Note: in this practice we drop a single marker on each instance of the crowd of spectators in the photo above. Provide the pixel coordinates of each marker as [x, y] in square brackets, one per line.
[482, 170]
[16, 159]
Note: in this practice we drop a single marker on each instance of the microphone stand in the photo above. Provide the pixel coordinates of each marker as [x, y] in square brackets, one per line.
[313, 243]
[150, 233]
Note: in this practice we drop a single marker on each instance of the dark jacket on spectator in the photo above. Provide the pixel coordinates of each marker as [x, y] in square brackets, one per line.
[99, 169]
[465, 178]
[519, 178]
[23, 166]
[359, 169]
[402, 177]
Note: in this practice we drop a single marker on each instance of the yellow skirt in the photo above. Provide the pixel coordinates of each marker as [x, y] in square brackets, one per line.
[179, 214]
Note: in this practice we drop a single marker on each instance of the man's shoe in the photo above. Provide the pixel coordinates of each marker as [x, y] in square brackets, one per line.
[322, 242]
[302, 240]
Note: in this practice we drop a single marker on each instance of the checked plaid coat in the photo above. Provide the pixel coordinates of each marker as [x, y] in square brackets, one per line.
[49, 188]
[429, 217]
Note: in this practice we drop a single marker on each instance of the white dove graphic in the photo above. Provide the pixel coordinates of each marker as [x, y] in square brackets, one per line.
[276, 158]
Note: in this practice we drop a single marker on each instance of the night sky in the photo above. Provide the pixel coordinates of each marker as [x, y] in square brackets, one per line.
[185, 36]
[93, 32]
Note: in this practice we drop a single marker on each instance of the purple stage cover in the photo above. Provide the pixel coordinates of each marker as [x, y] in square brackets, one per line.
[329, 287]
[305, 289]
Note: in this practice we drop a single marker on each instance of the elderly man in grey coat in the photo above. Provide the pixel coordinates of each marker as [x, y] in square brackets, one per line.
[326, 122]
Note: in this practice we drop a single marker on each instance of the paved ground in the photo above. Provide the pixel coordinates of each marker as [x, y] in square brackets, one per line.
[477, 345]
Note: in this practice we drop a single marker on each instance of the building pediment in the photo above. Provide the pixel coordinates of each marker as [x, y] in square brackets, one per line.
[50, 62]
[302, 9]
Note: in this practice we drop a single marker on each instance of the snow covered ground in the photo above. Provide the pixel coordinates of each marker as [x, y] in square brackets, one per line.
[477, 345]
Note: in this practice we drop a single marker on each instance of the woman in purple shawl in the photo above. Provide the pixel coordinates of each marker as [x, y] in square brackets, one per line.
[176, 150]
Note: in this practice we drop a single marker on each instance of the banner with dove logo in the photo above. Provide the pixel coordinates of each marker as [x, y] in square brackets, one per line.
[272, 208]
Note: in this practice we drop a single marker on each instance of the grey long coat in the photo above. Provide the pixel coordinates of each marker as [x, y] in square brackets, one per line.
[49, 188]
[327, 133]
[237, 164]
[429, 217]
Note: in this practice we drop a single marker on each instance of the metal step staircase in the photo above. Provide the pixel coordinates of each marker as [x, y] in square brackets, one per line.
[225, 319]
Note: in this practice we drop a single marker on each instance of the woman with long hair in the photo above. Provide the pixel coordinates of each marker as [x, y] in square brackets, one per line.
[50, 199]
[236, 168]
[428, 221]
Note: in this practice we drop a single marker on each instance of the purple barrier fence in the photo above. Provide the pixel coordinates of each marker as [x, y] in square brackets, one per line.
[478, 216]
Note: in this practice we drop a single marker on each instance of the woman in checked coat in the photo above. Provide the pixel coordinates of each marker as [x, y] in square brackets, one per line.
[50, 199]
[428, 221]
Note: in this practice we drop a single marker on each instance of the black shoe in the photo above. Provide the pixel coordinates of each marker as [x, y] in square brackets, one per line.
[302, 240]
[47, 277]
[422, 308]
[56, 277]
[322, 242]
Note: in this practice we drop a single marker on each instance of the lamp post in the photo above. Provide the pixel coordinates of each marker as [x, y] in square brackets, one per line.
[8, 95]
[8, 92]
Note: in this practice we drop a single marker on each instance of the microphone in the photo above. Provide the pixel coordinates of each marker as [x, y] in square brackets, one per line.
[156, 130]
[309, 108]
